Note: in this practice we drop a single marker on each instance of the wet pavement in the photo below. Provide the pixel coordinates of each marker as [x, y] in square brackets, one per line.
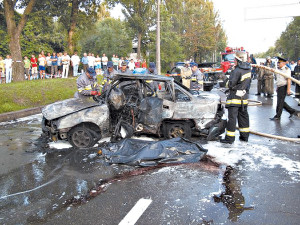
[244, 183]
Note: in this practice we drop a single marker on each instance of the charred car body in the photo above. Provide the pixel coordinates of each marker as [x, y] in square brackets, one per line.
[131, 106]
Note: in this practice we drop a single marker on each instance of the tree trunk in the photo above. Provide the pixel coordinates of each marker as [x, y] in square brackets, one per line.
[18, 65]
[139, 45]
[14, 32]
[73, 23]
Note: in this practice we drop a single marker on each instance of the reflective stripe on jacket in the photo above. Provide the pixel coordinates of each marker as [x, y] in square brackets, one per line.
[239, 79]
[85, 86]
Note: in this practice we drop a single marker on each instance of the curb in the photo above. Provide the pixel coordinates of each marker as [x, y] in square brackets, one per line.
[19, 114]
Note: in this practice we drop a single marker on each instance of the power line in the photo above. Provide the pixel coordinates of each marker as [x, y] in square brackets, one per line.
[268, 6]
[268, 18]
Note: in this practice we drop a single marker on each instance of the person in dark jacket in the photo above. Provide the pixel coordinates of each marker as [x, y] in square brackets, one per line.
[108, 76]
[237, 102]
[296, 74]
[124, 69]
[152, 71]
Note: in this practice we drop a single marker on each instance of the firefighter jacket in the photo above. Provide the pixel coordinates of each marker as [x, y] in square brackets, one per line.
[107, 79]
[153, 84]
[109, 76]
[296, 72]
[186, 72]
[268, 74]
[238, 84]
[85, 86]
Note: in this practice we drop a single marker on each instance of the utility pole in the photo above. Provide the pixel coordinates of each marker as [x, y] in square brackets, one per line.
[158, 39]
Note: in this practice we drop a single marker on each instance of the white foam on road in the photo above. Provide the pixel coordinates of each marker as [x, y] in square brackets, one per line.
[255, 156]
[135, 213]
[60, 144]
[23, 119]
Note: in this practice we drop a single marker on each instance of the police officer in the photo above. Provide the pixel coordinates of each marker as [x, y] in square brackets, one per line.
[296, 73]
[196, 78]
[87, 84]
[108, 75]
[236, 102]
[124, 69]
[283, 88]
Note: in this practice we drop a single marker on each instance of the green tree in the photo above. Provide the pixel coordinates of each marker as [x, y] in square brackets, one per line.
[203, 33]
[171, 40]
[14, 30]
[139, 15]
[288, 44]
[110, 36]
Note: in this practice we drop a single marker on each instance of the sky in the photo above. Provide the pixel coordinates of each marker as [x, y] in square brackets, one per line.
[252, 24]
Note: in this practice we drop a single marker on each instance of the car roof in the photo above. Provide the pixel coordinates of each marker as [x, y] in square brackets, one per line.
[142, 77]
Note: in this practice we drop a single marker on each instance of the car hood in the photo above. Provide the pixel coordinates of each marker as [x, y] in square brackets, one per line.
[62, 108]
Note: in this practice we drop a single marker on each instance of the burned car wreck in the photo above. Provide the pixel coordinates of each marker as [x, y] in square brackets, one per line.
[134, 105]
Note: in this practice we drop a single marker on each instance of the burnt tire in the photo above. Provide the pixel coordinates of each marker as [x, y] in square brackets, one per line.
[180, 129]
[81, 137]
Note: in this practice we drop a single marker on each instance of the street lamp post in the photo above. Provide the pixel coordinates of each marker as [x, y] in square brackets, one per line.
[158, 39]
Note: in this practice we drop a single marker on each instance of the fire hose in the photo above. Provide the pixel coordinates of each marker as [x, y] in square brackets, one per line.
[276, 71]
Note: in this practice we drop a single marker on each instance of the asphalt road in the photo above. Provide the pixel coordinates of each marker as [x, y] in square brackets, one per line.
[42, 185]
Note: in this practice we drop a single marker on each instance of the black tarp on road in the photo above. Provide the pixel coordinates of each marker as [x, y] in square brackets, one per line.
[150, 153]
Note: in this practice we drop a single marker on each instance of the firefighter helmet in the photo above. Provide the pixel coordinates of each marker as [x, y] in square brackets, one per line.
[241, 56]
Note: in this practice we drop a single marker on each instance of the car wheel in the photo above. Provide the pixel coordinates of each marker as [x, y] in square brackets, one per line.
[81, 137]
[174, 130]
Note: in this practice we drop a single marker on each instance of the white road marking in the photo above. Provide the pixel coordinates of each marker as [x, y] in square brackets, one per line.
[136, 212]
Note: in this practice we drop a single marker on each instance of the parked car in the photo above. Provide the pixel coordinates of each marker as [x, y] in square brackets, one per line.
[134, 105]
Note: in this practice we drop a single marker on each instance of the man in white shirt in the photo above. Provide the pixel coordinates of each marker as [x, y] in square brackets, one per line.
[49, 63]
[91, 60]
[66, 62]
[283, 89]
[75, 63]
[104, 60]
[8, 68]
[131, 65]
[293, 64]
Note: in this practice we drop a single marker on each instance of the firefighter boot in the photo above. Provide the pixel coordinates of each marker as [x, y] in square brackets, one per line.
[226, 141]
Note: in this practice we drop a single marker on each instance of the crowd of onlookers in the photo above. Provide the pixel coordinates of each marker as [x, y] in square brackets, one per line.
[57, 65]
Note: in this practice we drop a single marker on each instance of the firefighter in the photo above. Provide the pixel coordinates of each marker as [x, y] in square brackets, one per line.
[197, 78]
[152, 71]
[268, 78]
[108, 75]
[186, 74]
[296, 73]
[87, 85]
[237, 102]
[124, 69]
[283, 88]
